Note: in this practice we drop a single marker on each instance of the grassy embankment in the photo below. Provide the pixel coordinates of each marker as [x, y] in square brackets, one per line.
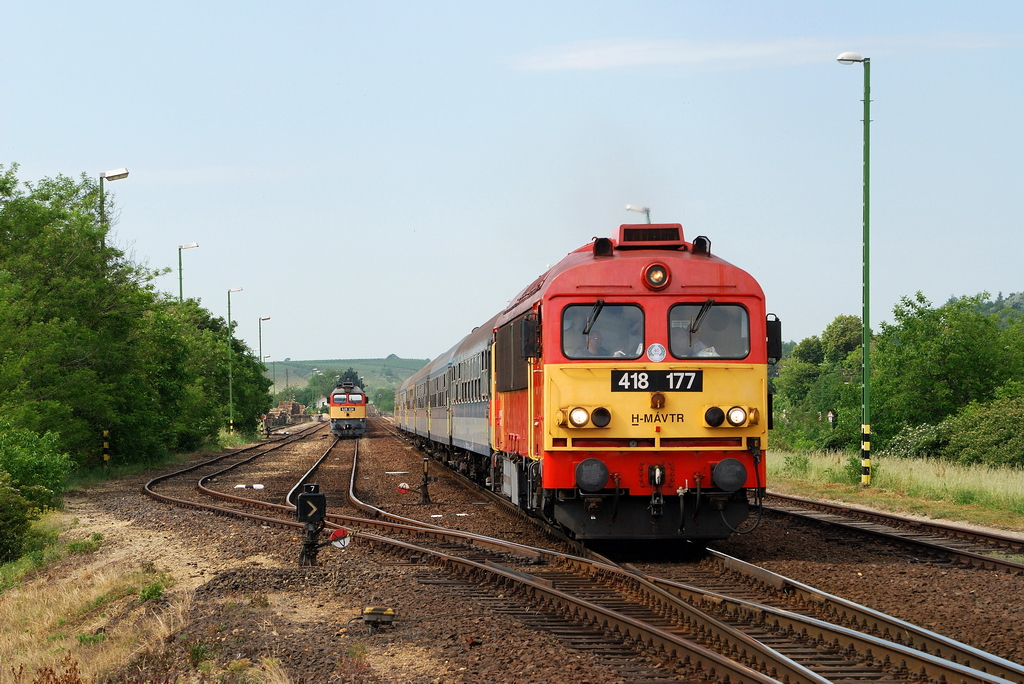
[98, 615]
[980, 495]
[92, 617]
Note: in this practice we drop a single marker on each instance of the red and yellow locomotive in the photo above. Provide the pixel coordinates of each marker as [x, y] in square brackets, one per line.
[622, 395]
[348, 410]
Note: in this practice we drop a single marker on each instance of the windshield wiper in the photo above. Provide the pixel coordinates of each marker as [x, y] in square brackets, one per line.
[699, 318]
[592, 318]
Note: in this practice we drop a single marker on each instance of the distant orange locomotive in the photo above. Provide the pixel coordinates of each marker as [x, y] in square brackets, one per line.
[622, 395]
[348, 410]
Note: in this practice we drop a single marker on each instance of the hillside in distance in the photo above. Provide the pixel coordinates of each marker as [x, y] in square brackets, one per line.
[386, 373]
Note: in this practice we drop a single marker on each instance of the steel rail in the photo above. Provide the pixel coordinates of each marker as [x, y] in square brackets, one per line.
[921, 650]
[888, 526]
[581, 611]
[510, 508]
[290, 439]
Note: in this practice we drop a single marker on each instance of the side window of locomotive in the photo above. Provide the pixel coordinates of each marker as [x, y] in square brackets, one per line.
[616, 331]
[724, 331]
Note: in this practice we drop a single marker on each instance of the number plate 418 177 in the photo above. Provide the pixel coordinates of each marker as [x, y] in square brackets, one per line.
[657, 381]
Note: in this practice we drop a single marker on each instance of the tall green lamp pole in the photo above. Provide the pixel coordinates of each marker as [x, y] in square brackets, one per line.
[181, 291]
[116, 174]
[267, 318]
[865, 428]
[231, 394]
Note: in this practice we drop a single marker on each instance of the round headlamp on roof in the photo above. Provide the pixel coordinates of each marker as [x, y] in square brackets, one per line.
[656, 276]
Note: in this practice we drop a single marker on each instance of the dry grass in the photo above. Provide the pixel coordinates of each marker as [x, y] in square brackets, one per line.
[98, 621]
[75, 623]
[975, 494]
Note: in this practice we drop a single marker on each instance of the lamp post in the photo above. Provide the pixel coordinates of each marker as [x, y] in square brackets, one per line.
[642, 210]
[262, 318]
[181, 292]
[116, 174]
[313, 372]
[865, 427]
[231, 354]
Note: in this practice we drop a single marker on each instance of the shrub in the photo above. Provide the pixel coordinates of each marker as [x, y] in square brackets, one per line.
[151, 591]
[989, 434]
[16, 514]
[920, 441]
[850, 471]
[36, 467]
[797, 464]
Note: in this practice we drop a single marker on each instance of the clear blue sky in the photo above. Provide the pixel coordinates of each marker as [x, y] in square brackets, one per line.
[380, 177]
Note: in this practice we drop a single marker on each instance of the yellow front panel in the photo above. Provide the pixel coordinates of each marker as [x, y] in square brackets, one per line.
[348, 411]
[634, 415]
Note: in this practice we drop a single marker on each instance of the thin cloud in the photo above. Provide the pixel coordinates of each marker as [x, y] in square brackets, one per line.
[739, 54]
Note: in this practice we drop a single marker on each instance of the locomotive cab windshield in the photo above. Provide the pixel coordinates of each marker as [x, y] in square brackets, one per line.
[700, 330]
[603, 331]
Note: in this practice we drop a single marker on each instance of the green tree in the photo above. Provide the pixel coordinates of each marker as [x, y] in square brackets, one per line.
[383, 398]
[809, 350]
[72, 306]
[350, 375]
[796, 379]
[932, 362]
[87, 344]
[840, 337]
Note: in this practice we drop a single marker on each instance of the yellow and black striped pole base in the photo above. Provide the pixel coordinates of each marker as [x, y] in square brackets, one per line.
[865, 455]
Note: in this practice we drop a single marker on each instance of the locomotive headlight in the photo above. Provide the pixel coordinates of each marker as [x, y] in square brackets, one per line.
[601, 417]
[579, 417]
[736, 416]
[656, 276]
[714, 416]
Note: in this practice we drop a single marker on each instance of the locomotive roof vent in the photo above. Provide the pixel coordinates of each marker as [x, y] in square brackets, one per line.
[651, 236]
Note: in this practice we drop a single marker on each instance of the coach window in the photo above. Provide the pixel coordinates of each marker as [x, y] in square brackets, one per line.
[602, 331]
[709, 330]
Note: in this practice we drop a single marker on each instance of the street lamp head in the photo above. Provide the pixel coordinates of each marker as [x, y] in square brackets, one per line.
[636, 207]
[116, 174]
[850, 58]
[189, 245]
[234, 289]
[265, 319]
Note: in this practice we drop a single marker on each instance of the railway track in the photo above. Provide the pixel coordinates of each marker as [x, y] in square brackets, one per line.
[645, 628]
[831, 633]
[969, 547]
